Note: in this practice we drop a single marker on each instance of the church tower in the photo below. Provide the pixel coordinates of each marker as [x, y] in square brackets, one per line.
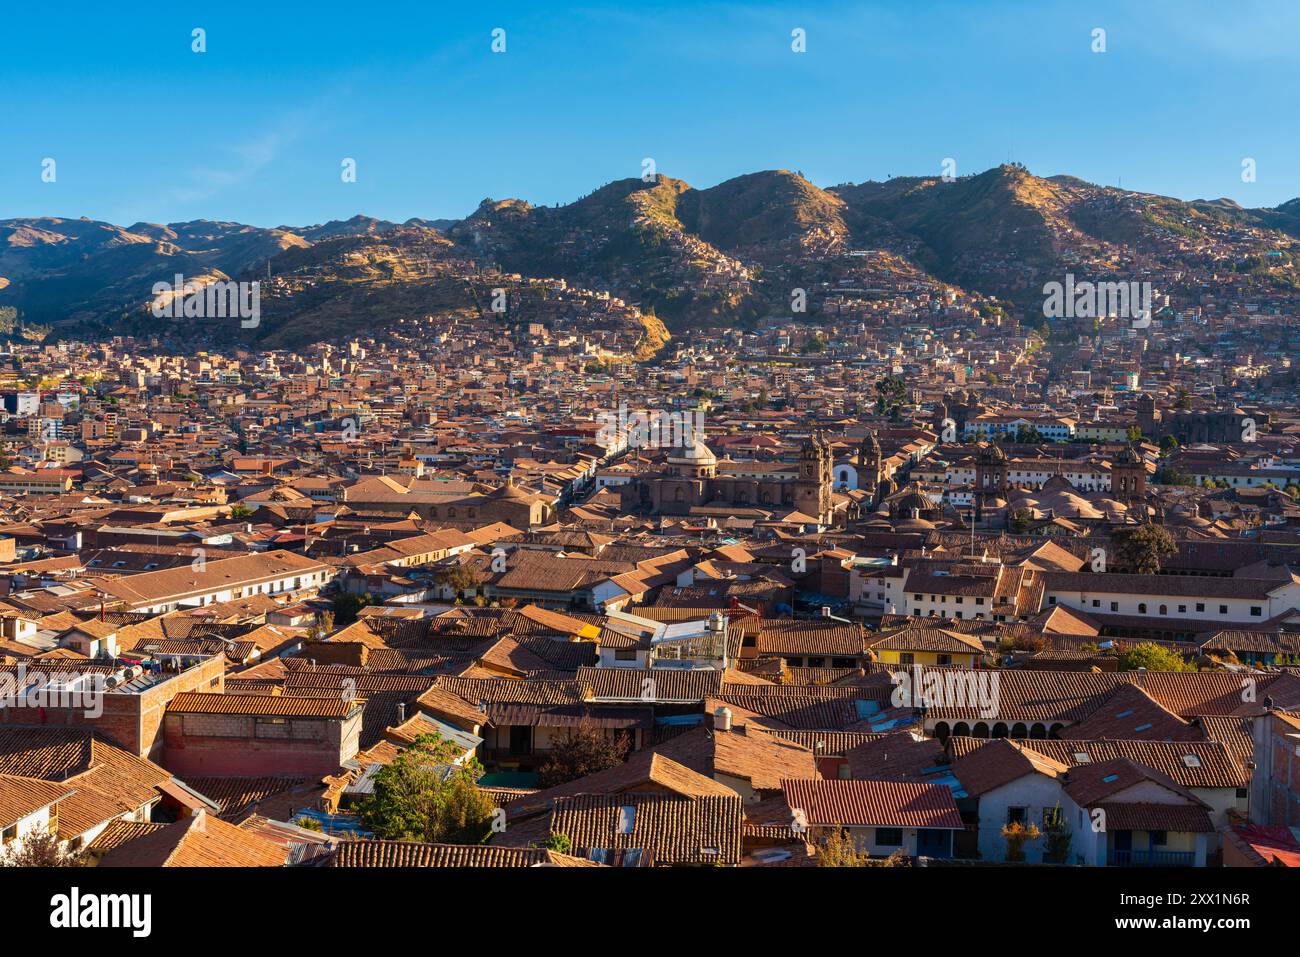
[871, 467]
[1128, 476]
[812, 493]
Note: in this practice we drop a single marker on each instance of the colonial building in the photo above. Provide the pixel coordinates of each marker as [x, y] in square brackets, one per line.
[690, 480]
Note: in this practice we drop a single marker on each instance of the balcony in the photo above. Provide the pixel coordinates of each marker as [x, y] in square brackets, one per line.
[1152, 858]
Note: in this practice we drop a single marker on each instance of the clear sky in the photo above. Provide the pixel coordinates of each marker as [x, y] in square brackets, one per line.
[256, 128]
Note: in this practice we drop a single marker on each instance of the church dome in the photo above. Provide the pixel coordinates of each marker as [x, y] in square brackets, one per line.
[697, 454]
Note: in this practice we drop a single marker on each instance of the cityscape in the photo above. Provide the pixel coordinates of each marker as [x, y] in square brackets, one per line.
[943, 521]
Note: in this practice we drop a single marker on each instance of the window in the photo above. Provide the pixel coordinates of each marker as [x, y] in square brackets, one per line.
[1256, 611]
[1017, 815]
[1223, 609]
[889, 837]
[1142, 608]
[8, 834]
[1114, 606]
[1182, 609]
[1158, 838]
[625, 654]
[1200, 606]
[945, 659]
[906, 658]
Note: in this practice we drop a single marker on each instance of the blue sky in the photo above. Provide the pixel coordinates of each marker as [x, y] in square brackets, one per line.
[255, 129]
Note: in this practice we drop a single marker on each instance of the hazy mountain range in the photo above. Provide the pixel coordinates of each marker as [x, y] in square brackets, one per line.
[730, 253]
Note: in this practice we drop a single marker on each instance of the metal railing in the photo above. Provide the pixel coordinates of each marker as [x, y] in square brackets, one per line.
[1152, 858]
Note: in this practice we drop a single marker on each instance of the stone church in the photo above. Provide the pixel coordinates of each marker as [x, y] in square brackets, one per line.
[690, 480]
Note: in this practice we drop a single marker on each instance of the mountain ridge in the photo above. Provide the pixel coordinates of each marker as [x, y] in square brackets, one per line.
[728, 253]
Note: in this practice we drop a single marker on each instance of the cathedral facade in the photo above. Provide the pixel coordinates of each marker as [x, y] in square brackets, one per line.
[690, 480]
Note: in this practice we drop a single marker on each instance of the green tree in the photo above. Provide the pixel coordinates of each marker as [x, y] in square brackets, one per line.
[240, 510]
[559, 843]
[1153, 658]
[422, 796]
[890, 393]
[459, 578]
[1143, 547]
[346, 606]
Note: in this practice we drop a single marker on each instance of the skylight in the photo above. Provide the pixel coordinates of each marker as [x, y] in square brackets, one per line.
[1110, 777]
[1082, 757]
[626, 819]
[1191, 760]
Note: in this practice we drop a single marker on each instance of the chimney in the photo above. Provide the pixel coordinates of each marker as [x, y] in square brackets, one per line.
[401, 712]
[722, 719]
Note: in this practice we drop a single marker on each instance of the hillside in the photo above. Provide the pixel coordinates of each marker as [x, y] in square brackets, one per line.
[684, 257]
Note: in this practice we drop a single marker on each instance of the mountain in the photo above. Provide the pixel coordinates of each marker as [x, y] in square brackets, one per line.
[60, 271]
[730, 253]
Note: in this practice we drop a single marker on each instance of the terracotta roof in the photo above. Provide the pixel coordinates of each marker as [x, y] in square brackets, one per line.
[1124, 816]
[1092, 784]
[416, 854]
[1193, 764]
[873, 803]
[197, 702]
[650, 684]
[666, 829]
[200, 840]
[21, 797]
[1000, 762]
[1266, 845]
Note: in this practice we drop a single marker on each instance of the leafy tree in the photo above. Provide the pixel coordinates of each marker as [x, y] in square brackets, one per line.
[837, 849]
[581, 751]
[890, 393]
[321, 626]
[1134, 434]
[1020, 520]
[1153, 658]
[559, 843]
[347, 605]
[40, 848]
[459, 578]
[240, 510]
[1143, 547]
[1169, 476]
[1168, 445]
[421, 796]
